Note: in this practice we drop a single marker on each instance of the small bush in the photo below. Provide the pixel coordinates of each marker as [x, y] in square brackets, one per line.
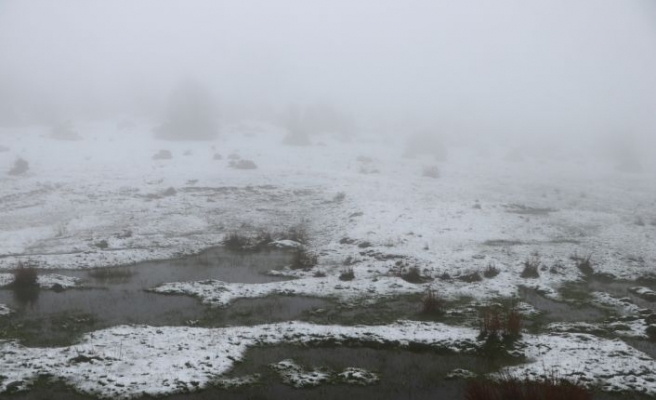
[531, 266]
[319, 274]
[431, 172]
[432, 304]
[339, 197]
[243, 164]
[102, 244]
[651, 332]
[491, 271]
[236, 241]
[471, 277]
[25, 276]
[297, 233]
[584, 264]
[347, 274]
[412, 275]
[500, 323]
[163, 155]
[304, 259]
[217, 156]
[20, 167]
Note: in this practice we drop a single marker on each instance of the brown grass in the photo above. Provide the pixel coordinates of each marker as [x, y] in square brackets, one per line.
[513, 388]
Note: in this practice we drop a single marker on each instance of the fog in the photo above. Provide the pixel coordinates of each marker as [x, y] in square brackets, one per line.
[559, 69]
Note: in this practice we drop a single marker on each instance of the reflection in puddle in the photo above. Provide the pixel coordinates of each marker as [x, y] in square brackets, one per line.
[115, 296]
[560, 311]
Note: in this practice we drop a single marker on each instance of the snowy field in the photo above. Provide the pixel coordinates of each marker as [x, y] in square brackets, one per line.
[104, 201]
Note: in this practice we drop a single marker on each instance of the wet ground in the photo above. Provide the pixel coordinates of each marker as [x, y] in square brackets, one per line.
[115, 296]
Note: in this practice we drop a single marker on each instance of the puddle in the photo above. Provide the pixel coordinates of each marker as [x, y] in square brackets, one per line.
[621, 289]
[557, 311]
[114, 296]
[264, 310]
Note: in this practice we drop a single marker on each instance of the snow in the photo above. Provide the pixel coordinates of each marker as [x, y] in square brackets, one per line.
[128, 361]
[103, 201]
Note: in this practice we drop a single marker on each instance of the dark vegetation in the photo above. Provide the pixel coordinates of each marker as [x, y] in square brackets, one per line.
[584, 264]
[514, 388]
[261, 240]
[471, 277]
[304, 259]
[20, 167]
[490, 271]
[347, 274]
[25, 276]
[431, 171]
[531, 266]
[432, 304]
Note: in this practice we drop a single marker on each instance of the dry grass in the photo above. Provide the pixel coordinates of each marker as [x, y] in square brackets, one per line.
[432, 304]
[531, 266]
[513, 388]
[347, 274]
[25, 276]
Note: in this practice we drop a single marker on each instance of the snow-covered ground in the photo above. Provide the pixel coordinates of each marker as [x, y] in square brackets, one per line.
[104, 201]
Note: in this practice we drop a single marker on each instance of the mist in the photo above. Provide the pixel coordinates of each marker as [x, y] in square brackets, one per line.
[473, 68]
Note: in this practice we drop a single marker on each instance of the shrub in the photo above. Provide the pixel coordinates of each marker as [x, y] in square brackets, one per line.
[217, 156]
[236, 241]
[583, 264]
[25, 276]
[297, 233]
[491, 271]
[531, 266]
[20, 167]
[347, 274]
[431, 172]
[432, 304]
[163, 155]
[339, 197]
[412, 275]
[243, 164]
[651, 332]
[304, 259]
[471, 277]
[497, 322]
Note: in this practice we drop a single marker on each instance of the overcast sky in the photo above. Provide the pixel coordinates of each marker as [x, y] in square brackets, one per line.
[517, 65]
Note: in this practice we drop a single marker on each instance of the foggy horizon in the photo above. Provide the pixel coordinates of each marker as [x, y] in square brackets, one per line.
[506, 67]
